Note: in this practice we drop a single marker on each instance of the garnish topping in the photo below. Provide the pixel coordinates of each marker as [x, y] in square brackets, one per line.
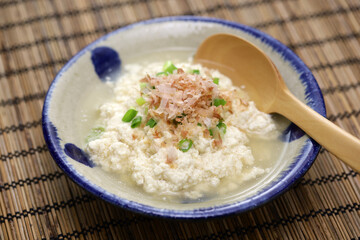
[151, 123]
[185, 144]
[129, 115]
[136, 122]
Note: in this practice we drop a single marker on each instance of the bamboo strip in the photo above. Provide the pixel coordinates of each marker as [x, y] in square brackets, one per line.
[322, 32]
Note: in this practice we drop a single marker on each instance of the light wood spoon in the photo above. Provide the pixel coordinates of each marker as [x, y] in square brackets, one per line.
[247, 65]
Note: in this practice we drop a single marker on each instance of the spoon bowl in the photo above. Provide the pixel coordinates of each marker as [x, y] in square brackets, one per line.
[248, 66]
[245, 64]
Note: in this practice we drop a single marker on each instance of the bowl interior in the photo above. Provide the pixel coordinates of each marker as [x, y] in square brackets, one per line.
[70, 111]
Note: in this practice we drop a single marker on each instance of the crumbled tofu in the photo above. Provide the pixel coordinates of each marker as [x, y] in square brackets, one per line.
[151, 156]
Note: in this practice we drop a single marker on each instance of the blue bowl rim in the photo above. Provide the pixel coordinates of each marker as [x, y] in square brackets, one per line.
[304, 160]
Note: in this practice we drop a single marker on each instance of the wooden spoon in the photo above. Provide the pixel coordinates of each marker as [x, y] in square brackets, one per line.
[247, 65]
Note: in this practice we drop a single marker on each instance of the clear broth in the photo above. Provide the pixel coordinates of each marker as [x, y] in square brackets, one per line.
[267, 153]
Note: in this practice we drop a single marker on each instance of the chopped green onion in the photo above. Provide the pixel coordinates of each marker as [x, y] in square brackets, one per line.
[185, 144]
[219, 101]
[199, 124]
[215, 133]
[129, 115]
[195, 71]
[211, 132]
[161, 73]
[151, 123]
[94, 133]
[153, 87]
[222, 127]
[219, 131]
[140, 101]
[136, 122]
[169, 67]
[216, 80]
[146, 110]
[143, 85]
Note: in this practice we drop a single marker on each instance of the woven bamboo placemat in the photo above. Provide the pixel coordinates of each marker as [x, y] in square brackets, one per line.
[37, 201]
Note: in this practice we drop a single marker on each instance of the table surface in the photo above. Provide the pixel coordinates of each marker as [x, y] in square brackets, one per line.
[37, 200]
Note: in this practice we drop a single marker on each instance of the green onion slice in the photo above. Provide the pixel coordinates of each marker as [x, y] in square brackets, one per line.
[151, 123]
[219, 101]
[215, 133]
[169, 67]
[195, 71]
[216, 80]
[136, 122]
[143, 85]
[211, 132]
[222, 127]
[199, 124]
[129, 115]
[140, 101]
[161, 73]
[95, 133]
[185, 144]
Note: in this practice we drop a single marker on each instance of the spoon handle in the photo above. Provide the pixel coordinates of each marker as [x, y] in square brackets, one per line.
[340, 143]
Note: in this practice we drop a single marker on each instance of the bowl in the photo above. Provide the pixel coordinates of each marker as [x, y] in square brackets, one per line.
[82, 85]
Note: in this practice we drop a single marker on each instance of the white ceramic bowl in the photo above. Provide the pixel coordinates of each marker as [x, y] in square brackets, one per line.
[78, 87]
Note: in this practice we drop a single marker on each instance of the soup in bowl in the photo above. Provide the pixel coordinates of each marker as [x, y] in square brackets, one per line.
[134, 121]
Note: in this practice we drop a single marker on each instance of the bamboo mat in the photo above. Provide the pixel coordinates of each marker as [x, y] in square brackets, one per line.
[37, 201]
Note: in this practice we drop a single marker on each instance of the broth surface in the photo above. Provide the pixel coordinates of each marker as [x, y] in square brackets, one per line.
[267, 153]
